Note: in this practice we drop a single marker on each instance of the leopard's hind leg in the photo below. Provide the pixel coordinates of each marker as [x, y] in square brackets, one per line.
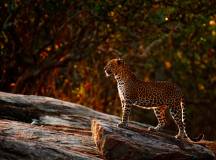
[177, 113]
[160, 113]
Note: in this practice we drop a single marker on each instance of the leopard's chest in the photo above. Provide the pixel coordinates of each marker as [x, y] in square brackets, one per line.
[121, 92]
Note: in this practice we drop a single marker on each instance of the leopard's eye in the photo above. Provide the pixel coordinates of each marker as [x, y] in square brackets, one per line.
[120, 61]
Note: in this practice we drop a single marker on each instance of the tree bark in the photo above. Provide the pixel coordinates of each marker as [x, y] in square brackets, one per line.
[35, 127]
[59, 130]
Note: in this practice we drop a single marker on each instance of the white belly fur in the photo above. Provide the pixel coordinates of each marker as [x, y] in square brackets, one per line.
[143, 107]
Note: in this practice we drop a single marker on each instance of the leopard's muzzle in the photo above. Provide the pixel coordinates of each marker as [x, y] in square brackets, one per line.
[107, 71]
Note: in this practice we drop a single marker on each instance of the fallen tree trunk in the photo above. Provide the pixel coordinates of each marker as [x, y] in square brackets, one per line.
[34, 127]
[138, 143]
[61, 130]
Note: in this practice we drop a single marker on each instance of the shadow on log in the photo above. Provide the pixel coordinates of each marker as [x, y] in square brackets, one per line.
[34, 127]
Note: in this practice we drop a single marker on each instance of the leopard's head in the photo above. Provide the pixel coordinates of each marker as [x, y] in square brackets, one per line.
[113, 67]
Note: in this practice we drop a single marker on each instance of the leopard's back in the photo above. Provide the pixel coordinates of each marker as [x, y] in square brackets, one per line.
[152, 93]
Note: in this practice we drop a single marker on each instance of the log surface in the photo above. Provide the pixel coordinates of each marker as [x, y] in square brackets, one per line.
[138, 143]
[59, 129]
[35, 127]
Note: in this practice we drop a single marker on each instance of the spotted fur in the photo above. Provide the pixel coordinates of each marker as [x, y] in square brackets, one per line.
[156, 95]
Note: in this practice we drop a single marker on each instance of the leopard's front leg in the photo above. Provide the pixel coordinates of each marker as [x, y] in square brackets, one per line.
[125, 115]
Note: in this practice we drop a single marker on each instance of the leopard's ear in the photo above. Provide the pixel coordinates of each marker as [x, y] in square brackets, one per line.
[120, 61]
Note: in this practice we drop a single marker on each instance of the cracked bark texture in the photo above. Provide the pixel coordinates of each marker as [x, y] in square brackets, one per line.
[35, 127]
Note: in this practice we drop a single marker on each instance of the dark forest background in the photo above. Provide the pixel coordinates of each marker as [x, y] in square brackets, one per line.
[59, 48]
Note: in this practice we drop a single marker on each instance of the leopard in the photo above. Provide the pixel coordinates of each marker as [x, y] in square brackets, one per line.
[158, 96]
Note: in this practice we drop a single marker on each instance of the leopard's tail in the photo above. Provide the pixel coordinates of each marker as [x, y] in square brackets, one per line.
[196, 139]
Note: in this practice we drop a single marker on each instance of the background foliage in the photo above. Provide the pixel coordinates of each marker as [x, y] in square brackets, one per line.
[59, 48]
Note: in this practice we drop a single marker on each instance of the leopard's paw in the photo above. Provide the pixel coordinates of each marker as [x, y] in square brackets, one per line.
[122, 125]
[157, 128]
[151, 128]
